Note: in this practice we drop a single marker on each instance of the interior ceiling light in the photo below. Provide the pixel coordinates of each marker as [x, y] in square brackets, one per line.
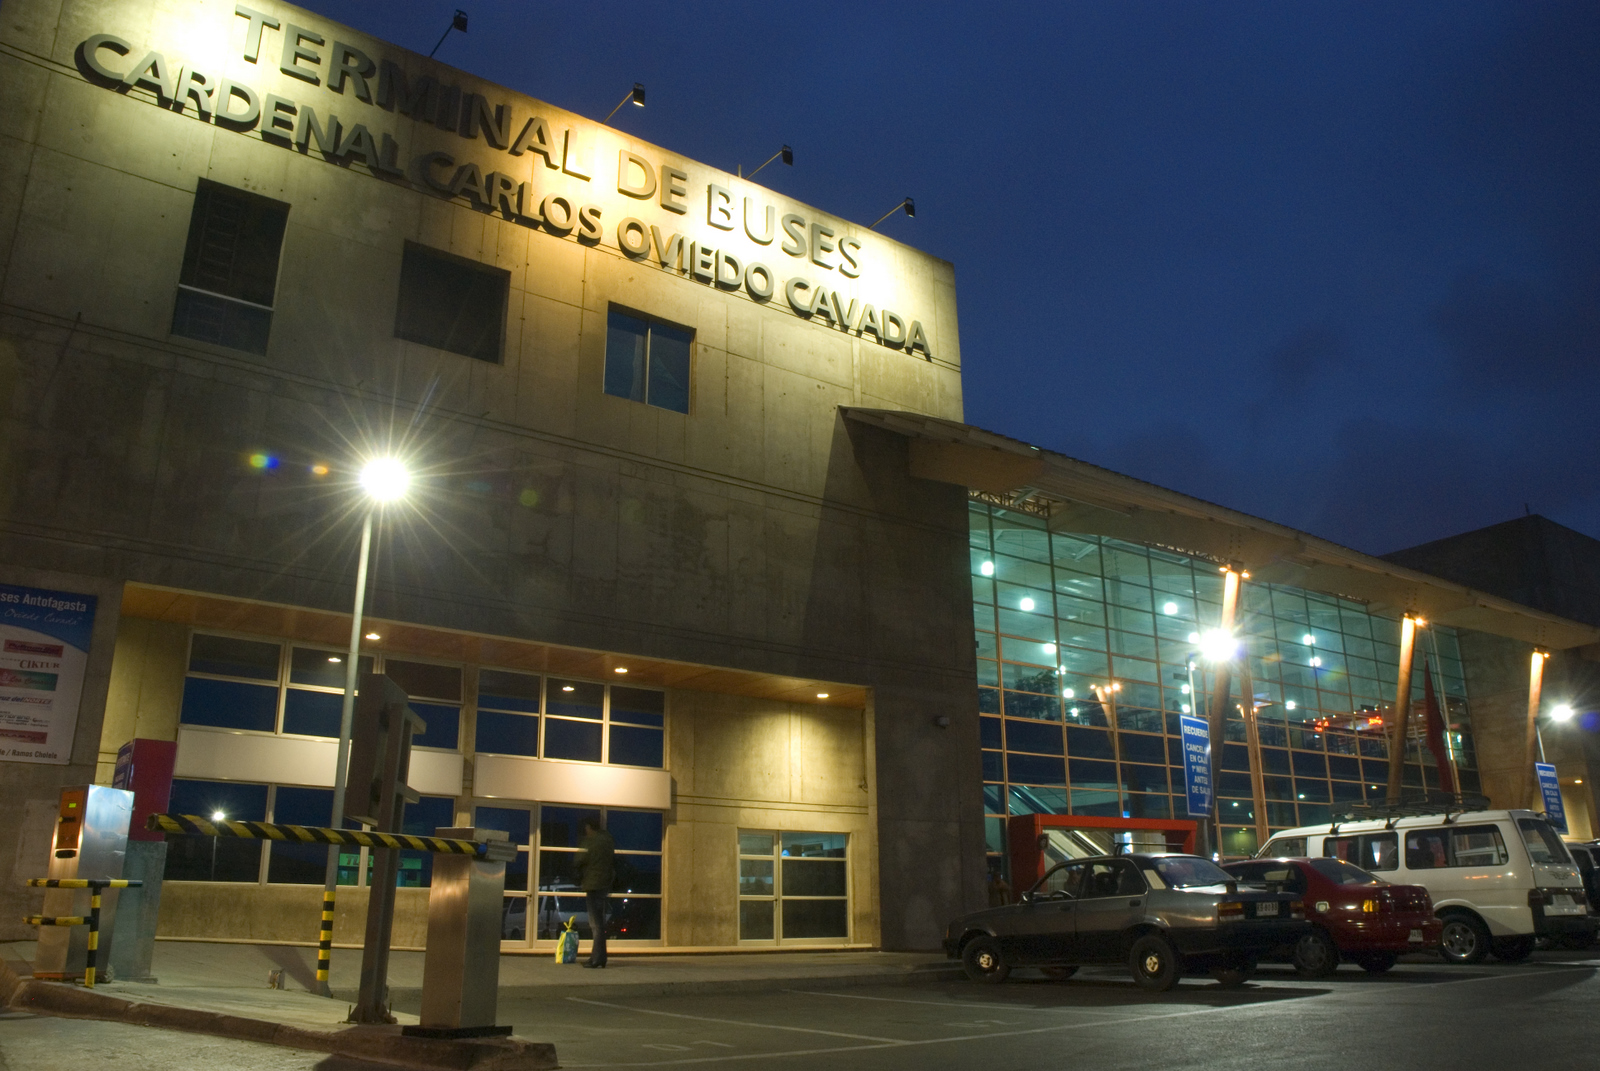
[619, 669]
[822, 695]
[373, 636]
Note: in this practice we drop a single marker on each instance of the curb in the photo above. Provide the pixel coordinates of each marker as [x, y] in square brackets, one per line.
[383, 1044]
[409, 998]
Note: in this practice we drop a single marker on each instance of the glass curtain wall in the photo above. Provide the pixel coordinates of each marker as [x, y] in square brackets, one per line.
[1085, 645]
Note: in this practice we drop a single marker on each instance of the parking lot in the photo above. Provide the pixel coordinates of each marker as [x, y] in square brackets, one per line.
[1421, 1015]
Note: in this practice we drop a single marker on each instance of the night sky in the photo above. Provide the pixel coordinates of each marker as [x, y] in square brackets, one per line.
[1333, 264]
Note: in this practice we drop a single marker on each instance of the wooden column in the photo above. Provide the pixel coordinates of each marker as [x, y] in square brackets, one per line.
[1401, 709]
[1530, 751]
[1220, 689]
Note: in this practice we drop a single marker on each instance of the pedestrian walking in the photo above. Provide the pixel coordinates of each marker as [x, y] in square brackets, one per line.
[597, 853]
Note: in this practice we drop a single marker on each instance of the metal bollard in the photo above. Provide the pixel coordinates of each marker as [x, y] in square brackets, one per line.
[95, 886]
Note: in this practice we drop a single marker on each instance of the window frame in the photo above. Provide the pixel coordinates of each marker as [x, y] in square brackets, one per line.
[468, 266]
[650, 322]
[778, 896]
[188, 267]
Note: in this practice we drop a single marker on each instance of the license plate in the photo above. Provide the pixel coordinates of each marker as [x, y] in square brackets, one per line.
[1562, 904]
[1267, 910]
[1414, 935]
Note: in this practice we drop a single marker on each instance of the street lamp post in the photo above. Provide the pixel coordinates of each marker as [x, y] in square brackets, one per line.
[384, 480]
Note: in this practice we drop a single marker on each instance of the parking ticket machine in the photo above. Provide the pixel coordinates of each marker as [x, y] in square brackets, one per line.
[90, 841]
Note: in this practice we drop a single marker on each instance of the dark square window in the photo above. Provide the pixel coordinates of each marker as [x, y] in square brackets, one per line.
[648, 361]
[451, 303]
[230, 268]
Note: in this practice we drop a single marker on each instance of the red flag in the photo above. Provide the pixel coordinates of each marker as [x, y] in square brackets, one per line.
[1436, 729]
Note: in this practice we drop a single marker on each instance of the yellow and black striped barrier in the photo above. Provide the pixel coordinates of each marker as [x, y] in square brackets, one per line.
[325, 942]
[204, 827]
[95, 886]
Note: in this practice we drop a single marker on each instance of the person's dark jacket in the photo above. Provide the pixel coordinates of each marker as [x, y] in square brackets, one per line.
[597, 861]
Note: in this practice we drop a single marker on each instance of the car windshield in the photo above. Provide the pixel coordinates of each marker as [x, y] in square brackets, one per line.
[1342, 873]
[1544, 845]
[1180, 871]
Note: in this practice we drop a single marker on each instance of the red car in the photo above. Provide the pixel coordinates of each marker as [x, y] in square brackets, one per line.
[1355, 916]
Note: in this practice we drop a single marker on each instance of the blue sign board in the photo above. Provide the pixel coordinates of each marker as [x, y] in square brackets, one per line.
[1550, 788]
[1196, 737]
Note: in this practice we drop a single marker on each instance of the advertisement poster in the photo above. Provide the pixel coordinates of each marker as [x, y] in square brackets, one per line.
[1196, 764]
[44, 648]
[1550, 789]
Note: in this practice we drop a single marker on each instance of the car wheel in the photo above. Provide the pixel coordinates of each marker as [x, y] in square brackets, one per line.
[1511, 949]
[1154, 963]
[1465, 939]
[982, 961]
[1315, 955]
[1377, 962]
[1059, 974]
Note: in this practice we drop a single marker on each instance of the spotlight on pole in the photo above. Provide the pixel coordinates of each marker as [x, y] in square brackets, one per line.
[458, 21]
[908, 204]
[785, 152]
[1561, 712]
[385, 479]
[636, 94]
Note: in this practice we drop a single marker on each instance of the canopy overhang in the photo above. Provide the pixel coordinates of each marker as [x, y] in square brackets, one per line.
[1080, 497]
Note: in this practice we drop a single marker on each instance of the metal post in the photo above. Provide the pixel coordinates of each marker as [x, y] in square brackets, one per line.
[330, 881]
[1219, 700]
[94, 935]
[1108, 701]
[1402, 709]
[1535, 691]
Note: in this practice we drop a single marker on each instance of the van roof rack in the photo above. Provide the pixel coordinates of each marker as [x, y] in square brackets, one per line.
[1415, 805]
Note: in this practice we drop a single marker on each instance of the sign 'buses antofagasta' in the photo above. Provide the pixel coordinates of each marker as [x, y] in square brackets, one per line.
[535, 153]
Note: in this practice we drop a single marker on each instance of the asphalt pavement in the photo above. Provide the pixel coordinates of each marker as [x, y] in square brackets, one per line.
[1422, 1016]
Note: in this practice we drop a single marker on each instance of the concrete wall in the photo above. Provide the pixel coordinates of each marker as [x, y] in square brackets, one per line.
[209, 910]
[747, 764]
[146, 688]
[754, 533]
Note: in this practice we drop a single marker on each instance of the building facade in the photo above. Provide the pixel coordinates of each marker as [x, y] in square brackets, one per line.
[646, 570]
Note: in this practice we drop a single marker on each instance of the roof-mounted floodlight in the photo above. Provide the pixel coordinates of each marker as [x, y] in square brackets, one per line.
[785, 152]
[908, 204]
[458, 21]
[636, 94]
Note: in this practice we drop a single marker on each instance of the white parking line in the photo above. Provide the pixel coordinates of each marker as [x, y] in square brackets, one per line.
[951, 1003]
[737, 1022]
[888, 1043]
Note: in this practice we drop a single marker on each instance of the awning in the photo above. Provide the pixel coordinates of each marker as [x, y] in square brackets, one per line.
[1092, 500]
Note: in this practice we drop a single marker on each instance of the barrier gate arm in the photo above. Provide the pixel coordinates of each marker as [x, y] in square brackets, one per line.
[193, 824]
[95, 886]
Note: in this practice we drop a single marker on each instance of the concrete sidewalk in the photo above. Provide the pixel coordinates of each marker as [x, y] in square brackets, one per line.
[222, 989]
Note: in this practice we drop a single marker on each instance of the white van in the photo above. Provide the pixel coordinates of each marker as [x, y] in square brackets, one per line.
[1498, 879]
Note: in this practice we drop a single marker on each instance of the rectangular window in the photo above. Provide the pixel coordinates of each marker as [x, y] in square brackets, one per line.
[793, 887]
[451, 303]
[508, 713]
[648, 361]
[634, 910]
[198, 858]
[230, 268]
[1371, 851]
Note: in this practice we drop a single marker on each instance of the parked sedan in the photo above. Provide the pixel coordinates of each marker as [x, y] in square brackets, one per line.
[1354, 915]
[1163, 915]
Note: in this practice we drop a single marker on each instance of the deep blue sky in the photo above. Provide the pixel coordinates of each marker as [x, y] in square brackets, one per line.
[1334, 264]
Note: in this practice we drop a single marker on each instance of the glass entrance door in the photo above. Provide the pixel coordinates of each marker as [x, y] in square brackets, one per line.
[516, 924]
